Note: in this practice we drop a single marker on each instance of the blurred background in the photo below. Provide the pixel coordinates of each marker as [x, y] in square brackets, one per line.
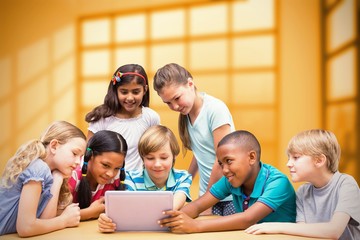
[281, 66]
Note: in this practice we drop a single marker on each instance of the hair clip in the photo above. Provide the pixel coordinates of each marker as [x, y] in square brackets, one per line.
[85, 163]
[117, 76]
[84, 175]
[88, 149]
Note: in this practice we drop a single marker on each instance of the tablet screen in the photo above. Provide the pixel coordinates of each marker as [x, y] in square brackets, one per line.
[137, 210]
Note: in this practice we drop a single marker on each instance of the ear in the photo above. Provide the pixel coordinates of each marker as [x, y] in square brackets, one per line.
[320, 161]
[252, 157]
[53, 145]
[190, 82]
[146, 88]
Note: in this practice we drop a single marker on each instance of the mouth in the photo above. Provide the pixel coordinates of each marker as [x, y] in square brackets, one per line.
[230, 177]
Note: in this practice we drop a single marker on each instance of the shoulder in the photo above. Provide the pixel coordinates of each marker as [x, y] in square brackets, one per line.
[208, 99]
[150, 114]
[134, 175]
[37, 170]
[181, 173]
[275, 177]
[149, 111]
[215, 105]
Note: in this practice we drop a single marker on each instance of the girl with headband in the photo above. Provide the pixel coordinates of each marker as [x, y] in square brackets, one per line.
[125, 110]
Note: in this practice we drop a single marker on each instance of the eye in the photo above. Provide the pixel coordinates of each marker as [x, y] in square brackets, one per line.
[220, 163]
[105, 165]
[136, 92]
[229, 161]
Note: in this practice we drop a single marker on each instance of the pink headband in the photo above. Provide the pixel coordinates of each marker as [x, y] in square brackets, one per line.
[118, 75]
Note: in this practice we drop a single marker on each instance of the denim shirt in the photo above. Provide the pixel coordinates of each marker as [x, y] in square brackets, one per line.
[38, 171]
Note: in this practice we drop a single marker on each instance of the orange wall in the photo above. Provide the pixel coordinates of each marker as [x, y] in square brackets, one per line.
[38, 68]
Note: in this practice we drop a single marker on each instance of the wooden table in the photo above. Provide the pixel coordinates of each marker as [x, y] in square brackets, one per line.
[88, 230]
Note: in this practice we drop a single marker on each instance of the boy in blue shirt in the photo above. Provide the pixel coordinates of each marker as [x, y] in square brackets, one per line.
[261, 193]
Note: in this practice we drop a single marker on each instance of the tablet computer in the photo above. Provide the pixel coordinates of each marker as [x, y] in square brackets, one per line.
[138, 210]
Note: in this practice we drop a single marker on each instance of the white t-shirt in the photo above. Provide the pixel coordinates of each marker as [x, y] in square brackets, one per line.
[131, 129]
[213, 114]
[341, 194]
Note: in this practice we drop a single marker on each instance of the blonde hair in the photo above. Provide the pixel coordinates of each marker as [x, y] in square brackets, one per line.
[156, 137]
[314, 143]
[175, 74]
[62, 131]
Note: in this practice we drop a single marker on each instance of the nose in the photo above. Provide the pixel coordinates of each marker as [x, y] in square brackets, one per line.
[289, 163]
[174, 106]
[77, 161]
[225, 169]
[130, 97]
[157, 163]
[110, 173]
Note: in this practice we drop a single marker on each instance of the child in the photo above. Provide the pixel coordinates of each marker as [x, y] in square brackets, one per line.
[326, 205]
[261, 193]
[158, 148]
[32, 185]
[125, 110]
[103, 162]
[203, 122]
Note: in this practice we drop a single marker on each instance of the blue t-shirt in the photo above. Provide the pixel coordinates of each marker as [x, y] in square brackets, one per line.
[272, 188]
[38, 171]
[178, 180]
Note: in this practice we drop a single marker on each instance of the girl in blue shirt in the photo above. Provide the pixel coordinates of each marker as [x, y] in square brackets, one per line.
[34, 183]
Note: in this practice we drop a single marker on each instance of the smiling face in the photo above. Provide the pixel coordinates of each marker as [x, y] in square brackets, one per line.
[236, 163]
[158, 164]
[104, 167]
[130, 96]
[179, 98]
[66, 157]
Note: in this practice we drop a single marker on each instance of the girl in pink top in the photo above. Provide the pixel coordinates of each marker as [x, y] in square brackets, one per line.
[102, 170]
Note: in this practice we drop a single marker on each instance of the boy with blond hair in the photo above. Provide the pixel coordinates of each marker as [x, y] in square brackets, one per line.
[328, 205]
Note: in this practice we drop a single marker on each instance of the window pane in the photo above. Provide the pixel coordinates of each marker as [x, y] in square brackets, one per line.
[215, 85]
[342, 72]
[34, 93]
[341, 24]
[5, 76]
[130, 55]
[208, 20]
[93, 92]
[63, 76]
[209, 54]
[64, 107]
[96, 32]
[341, 119]
[167, 53]
[130, 28]
[40, 61]
[95, 62]
[253, 88]
[64, 42]
[253, 15]
[260, 122]
[254, 51]
[168, 24]
[5, 122]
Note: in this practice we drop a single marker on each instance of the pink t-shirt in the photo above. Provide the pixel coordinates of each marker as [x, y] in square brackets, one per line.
[74, 182]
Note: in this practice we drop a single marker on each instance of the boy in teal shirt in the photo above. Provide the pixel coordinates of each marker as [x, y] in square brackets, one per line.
[261, 193]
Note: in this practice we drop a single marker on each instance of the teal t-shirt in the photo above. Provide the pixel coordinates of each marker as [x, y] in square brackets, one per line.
[272, 188]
